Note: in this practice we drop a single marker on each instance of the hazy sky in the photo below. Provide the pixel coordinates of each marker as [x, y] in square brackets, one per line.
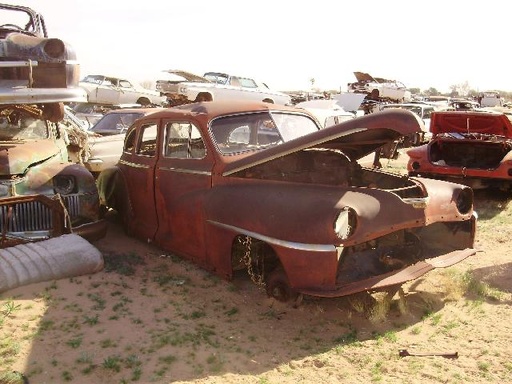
[285, 43]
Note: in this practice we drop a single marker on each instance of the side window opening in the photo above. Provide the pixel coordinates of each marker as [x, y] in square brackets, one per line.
[129, 141]
[147, 145]
[184, 141]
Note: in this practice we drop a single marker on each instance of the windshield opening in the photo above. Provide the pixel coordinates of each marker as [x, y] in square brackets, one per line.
[19, 126]
[115, 123]
[94, 79]
[17, 17]
[218, 78]
[255, 131]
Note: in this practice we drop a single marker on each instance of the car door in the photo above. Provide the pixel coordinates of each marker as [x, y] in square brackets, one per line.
[108, 92]
[138, 166]
[183, 181]
[127, 92]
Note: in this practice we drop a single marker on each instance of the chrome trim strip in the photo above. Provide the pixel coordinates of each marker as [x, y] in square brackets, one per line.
[183, 170]
[134, 165]
[281, 243]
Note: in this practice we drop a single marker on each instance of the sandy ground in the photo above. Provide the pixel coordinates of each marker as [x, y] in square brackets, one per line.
[150, 317]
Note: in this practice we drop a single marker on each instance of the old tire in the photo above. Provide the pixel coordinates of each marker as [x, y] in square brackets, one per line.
[278, 286]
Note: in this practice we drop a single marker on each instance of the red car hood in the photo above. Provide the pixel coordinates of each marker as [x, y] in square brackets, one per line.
[356, 138]
[470, 122]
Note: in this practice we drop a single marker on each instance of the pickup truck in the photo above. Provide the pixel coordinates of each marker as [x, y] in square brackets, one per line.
[189, 88]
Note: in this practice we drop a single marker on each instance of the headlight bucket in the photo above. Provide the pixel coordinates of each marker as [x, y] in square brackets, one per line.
[464, 200]
[345, 223]
[64, 184]
[54, 48]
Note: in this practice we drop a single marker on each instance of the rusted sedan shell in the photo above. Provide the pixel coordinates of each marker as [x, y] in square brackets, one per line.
[333, 226]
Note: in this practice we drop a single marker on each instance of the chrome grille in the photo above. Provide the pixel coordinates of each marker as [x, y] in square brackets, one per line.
[33, 215]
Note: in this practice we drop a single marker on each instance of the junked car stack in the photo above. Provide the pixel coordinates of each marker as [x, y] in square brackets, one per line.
[42, 194]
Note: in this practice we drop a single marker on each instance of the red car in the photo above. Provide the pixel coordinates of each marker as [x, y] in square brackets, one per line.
[261, 187]
[468, 147]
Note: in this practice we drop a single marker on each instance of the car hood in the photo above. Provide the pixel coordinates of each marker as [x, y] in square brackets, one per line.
[365, 77]
[471, 122]
[16, 157]
[356, 138]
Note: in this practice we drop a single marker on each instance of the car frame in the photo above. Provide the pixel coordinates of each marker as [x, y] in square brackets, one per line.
[33, 23]
[470, 147]
[261, 187]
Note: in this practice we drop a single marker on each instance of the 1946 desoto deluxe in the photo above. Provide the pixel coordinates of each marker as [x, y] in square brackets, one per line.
[256, 186]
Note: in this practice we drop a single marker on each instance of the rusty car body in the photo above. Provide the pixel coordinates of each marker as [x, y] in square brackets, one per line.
[42, 193]
[255, 186]
[469, 147]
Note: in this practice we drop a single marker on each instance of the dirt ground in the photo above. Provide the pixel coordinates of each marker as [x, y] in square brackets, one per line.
[150, 317]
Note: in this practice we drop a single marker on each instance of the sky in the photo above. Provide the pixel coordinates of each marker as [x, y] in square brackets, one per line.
[287, 43]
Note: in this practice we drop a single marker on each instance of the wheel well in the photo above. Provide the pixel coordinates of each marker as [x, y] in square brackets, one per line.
[262, 256]
[374, 93]
[204, 96]
[143, 101]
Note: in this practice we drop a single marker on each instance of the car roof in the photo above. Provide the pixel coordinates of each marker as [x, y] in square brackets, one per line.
[213, 109]
[133, 110]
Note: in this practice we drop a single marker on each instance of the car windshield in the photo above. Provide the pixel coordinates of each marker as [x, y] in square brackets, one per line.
[22, 127]
[255, 131]
[94, 79]
[218, 78]
[115, 123]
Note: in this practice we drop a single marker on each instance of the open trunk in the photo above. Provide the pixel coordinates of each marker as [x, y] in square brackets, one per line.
[474, 151]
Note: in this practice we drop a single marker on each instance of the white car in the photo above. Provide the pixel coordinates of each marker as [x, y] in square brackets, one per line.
[186, 87]
[327, 112]
[380, 89]
[113, 90]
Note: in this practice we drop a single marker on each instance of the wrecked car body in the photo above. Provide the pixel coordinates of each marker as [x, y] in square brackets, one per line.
[379, 89]
[34, 161]
[42, 193]
[470, 147]
[259, 187]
